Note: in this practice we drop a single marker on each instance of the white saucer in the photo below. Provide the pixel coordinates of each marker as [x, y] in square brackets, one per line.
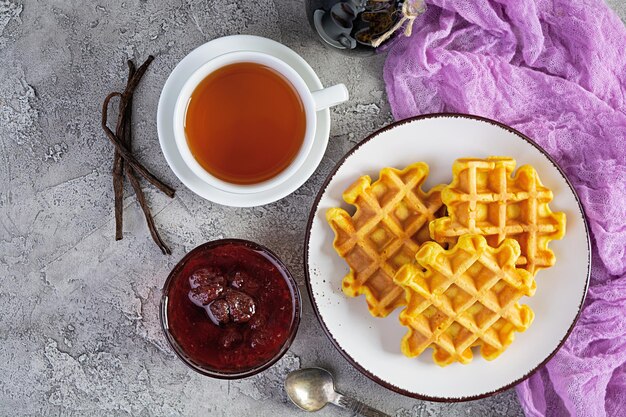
[165, 119]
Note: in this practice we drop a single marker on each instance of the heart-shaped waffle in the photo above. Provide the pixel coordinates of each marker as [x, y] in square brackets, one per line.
[463, 297]
[385, 232]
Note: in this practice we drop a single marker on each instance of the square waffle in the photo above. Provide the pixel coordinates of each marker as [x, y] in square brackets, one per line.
[484, 198]
[463, 297]
[385, 232]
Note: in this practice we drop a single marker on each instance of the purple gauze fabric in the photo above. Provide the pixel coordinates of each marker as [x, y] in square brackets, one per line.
[556, 71]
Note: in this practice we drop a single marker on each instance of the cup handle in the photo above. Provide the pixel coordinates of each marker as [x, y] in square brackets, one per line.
[330, 96]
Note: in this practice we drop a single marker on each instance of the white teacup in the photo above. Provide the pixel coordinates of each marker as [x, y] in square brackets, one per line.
[312, 101]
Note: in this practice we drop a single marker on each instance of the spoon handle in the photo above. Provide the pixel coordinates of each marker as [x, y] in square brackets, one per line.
[357, 406]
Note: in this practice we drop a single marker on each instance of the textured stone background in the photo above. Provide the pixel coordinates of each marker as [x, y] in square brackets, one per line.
[79, 326]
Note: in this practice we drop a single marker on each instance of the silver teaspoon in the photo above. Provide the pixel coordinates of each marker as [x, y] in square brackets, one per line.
[313, 388]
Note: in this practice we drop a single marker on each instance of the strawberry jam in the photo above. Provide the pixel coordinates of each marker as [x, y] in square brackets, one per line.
[229, 307]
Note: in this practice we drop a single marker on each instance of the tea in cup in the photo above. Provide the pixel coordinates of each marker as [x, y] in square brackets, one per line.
[245, 121]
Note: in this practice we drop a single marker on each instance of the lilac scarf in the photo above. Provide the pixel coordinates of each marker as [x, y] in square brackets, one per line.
[556, 71]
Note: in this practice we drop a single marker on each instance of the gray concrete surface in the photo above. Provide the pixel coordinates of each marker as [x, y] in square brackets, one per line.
[79, 324]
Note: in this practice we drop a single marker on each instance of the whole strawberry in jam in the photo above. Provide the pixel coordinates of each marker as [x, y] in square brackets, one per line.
[240, 305]
[207, 284]
[242, 281]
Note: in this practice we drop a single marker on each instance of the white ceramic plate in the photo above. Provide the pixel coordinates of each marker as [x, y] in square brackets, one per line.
[165, 119]
[373, 344]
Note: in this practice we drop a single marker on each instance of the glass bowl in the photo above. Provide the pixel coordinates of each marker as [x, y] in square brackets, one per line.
[192, 330]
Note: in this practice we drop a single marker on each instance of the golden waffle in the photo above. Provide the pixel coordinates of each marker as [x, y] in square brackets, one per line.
[466, 296]
[484, 198]
[389, 224]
